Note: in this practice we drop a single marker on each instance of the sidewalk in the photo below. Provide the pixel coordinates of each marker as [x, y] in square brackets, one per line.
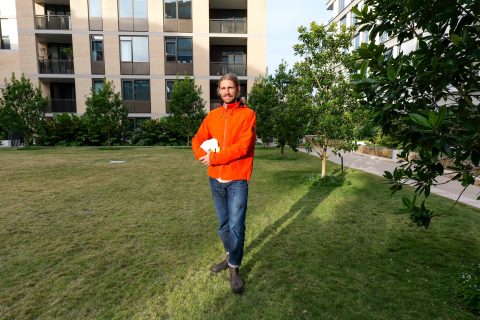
[377, 165]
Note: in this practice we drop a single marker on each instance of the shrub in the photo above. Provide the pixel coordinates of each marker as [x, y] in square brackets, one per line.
[158, 132]
[326, 181]
[469, 290]
[66, 130]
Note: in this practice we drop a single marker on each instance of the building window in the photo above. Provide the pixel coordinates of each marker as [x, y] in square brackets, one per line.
[365, 37]
[134, 123]
[179, 50]
[95, 8]
[383, 37]
[181, 9]
[356, 41]
[136, 90]
[137, 9]
[343, 21]
[341, 5]
[168, 93]
[5, 36]
[134, 49]
[97, 48]
[169, 89]
[97, 84]
[353, 19]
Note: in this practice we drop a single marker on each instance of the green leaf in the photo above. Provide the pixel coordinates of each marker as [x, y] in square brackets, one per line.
[455, 38]
[391, 73]
[420, 120]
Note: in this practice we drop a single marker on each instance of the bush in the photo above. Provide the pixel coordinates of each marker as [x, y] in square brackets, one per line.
[158, 132]
[327, 181]
[65, 130]
[469, 290]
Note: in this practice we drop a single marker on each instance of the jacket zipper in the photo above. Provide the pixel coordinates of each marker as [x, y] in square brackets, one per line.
[224, 137]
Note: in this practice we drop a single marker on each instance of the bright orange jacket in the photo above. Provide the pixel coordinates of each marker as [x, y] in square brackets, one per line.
[235, 129]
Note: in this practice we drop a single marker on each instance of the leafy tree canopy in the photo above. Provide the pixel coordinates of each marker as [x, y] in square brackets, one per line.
[22, 108]
[105, 116]
[187, 106]
[428, 99]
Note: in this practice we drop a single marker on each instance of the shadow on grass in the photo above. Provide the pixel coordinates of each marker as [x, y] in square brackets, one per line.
[342, 253]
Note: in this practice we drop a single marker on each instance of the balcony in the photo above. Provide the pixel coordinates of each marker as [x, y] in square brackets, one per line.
[51, 66]
[53, 22]
[62, 105]
[235, 25]
[220, 68]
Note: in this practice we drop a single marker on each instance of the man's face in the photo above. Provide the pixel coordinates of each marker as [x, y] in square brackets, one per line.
[228, 91]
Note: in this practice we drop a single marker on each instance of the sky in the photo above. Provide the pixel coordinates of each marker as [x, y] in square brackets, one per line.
[283, 19]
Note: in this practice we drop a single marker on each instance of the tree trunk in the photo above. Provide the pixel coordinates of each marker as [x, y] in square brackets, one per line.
[324, 160]
[282, 150]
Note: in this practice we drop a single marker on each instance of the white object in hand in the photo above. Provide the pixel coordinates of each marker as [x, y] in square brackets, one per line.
[210, 145]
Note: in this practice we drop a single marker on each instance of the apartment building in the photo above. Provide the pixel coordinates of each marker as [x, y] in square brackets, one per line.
[342, 14]
[69, 46]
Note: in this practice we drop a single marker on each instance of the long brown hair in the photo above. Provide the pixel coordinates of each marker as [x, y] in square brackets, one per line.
[231, 77]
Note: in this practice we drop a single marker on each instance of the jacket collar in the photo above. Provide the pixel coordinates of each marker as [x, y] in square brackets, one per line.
[237, 104]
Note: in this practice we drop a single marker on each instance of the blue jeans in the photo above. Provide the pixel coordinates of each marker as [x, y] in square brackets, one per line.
[230, 201]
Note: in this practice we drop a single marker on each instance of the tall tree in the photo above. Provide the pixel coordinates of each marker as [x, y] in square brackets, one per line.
[292, 113]
[187, 106]
[282, 111]
[263, 100]
[105, 116]
[22, 108]
[428, 99]
[323, 73]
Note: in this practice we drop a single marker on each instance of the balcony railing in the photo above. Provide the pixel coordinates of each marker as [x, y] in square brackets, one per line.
[53, 22]
[228, 25]
[55, 66]
[220, 68]
[62, 105]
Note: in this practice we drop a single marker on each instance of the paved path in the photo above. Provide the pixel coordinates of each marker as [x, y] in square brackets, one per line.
[377, 165]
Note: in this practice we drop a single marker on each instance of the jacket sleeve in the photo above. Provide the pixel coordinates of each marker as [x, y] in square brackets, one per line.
[240, 149]
[202, 135]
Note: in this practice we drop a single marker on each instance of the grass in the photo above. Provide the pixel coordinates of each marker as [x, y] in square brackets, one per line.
[82, 238]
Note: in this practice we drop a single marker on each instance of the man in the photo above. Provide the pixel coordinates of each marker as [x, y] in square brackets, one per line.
[233, 125]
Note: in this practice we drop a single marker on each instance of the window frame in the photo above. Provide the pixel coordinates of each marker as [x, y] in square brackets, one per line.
[4, 36]
[92, 40]
[177, 10]
[90, 11]
[133, 93]
[97, 81]
[175, 40]
[131, 41]
[133, 8]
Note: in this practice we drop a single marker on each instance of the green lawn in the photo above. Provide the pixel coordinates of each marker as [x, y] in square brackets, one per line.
[81, 238]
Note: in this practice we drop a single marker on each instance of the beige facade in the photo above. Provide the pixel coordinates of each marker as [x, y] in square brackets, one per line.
[140, 45]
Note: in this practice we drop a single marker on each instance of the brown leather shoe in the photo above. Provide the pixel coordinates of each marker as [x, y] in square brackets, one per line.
[236, 282]
[220, 266]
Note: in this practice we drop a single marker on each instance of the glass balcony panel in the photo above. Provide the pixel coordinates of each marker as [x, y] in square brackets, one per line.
[53, 22]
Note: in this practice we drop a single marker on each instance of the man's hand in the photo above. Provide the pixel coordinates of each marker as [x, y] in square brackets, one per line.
[205, 159]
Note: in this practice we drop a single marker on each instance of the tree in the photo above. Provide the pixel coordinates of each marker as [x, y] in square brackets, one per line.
[291, 115]
[22, 109]
[105, 117]
[282, 112]
[263, 100]
[187, 106]
[323, 73]
[428, 98]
